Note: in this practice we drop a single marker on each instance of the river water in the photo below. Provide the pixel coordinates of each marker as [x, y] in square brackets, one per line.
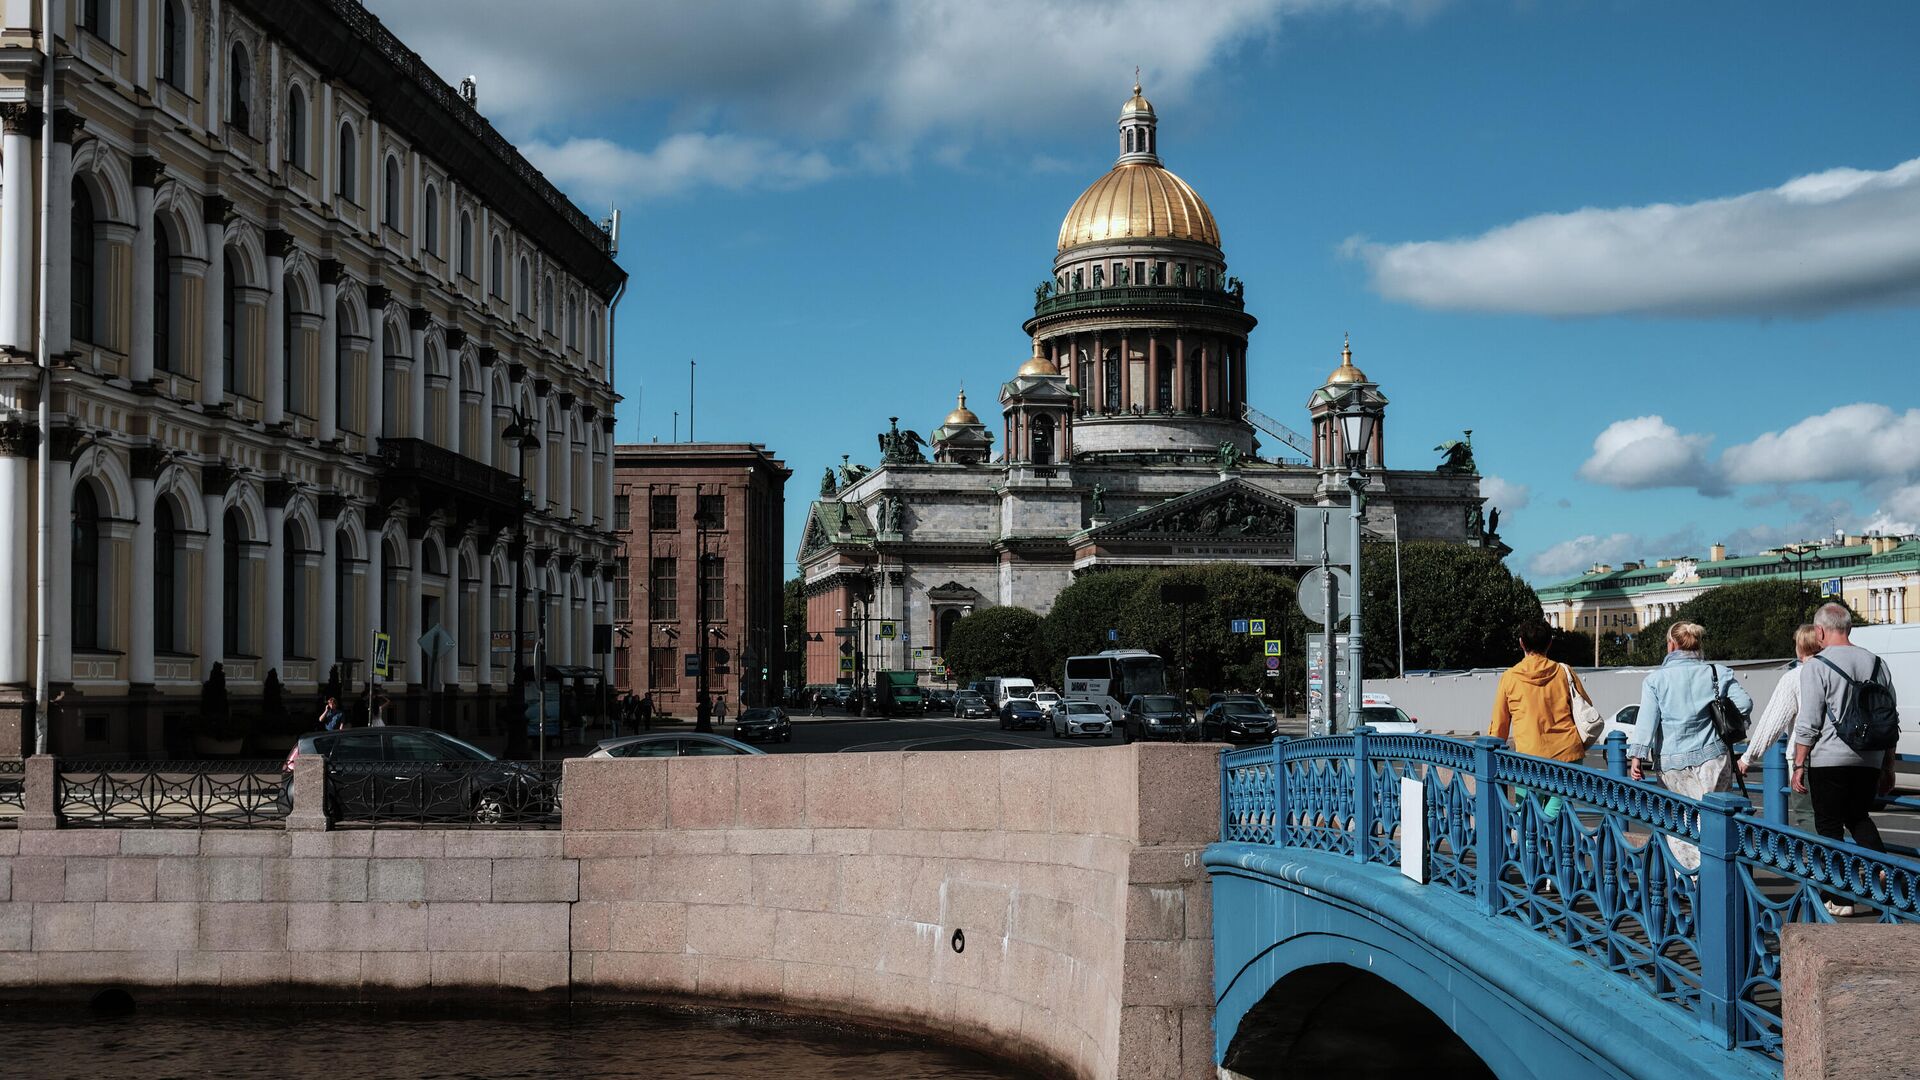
[328, 1042]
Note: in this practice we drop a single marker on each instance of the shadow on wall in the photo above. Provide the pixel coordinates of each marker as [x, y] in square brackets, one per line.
[1335, 1020]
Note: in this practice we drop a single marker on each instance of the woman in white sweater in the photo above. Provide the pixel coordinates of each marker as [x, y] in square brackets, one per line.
[1776, 722]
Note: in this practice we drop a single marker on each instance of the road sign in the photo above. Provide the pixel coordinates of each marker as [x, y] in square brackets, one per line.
[846, 648]
[1113, 635]
[846, 663]
[919, 654]
[1830, 587]
[1240, 626]
[887, 631]
[1313, 595]
[1321, 530]
[843, 631]
[382, 655]
[693, 665]
[1273, 663]
[436, 642]
[1273, 673]
[1257, 627]
[1272, 647]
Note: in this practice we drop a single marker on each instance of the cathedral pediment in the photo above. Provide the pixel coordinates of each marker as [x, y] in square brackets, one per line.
[953, 590]
[1231, 509]
[830, 523]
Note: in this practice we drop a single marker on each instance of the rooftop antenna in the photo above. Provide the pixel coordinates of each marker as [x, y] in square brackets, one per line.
[690, 373]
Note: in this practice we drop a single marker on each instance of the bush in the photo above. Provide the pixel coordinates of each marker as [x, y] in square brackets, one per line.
[1748, 620]
[996, 641]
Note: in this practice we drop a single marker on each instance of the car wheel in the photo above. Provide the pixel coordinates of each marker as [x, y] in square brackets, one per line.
[489, 808]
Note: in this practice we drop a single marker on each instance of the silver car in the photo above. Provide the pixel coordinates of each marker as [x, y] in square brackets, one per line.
[673, 744]
[1070, 718]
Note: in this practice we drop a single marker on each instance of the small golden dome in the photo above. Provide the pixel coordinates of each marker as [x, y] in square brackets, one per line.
[1346, 372]
[1136, 105]
[1138, 200]
[1038, 364]
[962, 416]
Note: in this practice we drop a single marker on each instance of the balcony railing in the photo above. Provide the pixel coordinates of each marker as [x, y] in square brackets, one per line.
[1159, 295]
[422, 461]
[13, 792]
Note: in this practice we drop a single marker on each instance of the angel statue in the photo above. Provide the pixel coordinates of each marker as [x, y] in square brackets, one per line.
[1459, 458]
[827, 485]
[900, 447]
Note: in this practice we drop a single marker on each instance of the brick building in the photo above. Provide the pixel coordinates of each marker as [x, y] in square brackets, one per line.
[672, 504]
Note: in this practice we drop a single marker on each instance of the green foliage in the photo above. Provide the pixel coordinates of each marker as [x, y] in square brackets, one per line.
[1084, 612]
[794, 604]
[1461, 607]
[1748, 620]
[1215, 657]
[996, 641]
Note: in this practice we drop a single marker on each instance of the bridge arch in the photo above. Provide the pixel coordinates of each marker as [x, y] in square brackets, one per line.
[1330, 1019]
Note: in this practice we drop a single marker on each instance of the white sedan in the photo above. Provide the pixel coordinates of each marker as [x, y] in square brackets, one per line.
[1070, 718]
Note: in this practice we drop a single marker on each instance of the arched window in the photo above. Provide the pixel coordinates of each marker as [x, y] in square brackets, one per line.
[173, 44]
[93, 18]
[573, 325]
[497, 268]
[295, 396]
[546, 305]
[81, 249]
[239, 89]
[466, 244]
[523, 288]
[229, 326]
[162, 301]
[231, 577]
[430, 228]
[86, 568]
[293, 613]
[391, 211]
[348, 170]
[166, 541]
[343, 381]
[297, 127]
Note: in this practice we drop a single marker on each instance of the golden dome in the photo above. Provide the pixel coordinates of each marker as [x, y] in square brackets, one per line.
[962, 416]
[1136, 105]
[1138, 200]
[1038, 364]
[1346, 372]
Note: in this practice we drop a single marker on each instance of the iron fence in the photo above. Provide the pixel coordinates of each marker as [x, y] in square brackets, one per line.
[1682, 898]
[169, 794]
[481, 794]
[13, 792]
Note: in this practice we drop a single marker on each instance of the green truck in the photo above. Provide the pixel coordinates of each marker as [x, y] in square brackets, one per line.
[898, 693]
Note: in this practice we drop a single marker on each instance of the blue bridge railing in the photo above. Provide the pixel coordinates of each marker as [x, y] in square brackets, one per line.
[1684, 899]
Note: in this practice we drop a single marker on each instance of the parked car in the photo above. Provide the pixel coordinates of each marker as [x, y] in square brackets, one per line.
[1070, 718]
[681, 744]
[1021, 712]
[1387, 719]
[770, 724]
[939, 700]
[1157, 716]
[1237, 720]
[969, 704]
[434, 776]
[841, 695]
[1048, 700]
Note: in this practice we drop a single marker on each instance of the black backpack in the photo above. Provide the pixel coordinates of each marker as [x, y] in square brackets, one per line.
[1869, 719]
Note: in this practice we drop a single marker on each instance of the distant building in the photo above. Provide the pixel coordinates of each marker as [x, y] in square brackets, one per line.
[1878, 576]
[700, 525]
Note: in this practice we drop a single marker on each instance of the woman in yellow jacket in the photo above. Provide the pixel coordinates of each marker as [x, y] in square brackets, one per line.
[1534, 705]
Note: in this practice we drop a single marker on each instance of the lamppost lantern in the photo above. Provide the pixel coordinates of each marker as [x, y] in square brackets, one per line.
[1356, 430]
[1357, 422]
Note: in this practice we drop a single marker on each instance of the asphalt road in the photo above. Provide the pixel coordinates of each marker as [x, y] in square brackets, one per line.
[852, 734]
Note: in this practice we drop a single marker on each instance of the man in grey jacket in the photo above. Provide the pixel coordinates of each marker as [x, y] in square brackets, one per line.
[1842, 781]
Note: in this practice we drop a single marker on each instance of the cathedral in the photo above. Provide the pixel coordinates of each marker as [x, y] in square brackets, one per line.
[1125, 439]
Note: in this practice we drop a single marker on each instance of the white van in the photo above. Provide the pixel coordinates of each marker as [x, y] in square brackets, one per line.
[1000, 691]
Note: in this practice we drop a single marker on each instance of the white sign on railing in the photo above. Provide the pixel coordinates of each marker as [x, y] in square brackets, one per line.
[1413, 829]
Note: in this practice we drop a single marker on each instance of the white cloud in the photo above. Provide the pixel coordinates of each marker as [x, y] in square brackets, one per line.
[1853, 442]
[1648, 452]
[1837, 239]
[1571, 557]
[1899, 513]
[1505, 494]
[596, 170]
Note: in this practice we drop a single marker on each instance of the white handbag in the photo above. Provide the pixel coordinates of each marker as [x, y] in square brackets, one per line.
[1586, 716]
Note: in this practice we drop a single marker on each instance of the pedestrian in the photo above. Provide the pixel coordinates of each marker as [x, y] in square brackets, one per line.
[1536, 701]
[1777, 720]
[379, 717]
[720, 709]
[331, 716]
[646, 710]
[819, 703]
[1675, 732]
[1836, 760]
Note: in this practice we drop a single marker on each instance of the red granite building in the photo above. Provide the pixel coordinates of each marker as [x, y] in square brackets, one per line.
[700, 535]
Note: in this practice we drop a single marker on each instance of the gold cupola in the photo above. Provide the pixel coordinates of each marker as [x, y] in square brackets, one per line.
[1346, 372]
[1139, 199]
[962, 415]
[1038, 364]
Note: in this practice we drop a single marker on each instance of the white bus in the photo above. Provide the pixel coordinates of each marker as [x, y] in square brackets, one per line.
[1112, 677]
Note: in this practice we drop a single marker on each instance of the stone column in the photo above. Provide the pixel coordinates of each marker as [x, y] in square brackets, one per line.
[213, 635]
[324, 653]
[417, 319]
[214, 212]
[59, 237]
[1207, 360]
[408, 644]
[1153, 372]
[483, 621]
[19, 126]
[146, 177]
[273, 409]
[329, 358]
[566, 464]
[273, 644]
[19, 442]
[140, 596]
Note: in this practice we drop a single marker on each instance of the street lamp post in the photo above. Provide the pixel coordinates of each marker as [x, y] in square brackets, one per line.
[520, 432]
[703, 708]
[1356, 431]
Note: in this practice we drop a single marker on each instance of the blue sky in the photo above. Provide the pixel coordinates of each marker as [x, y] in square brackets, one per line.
[1663, 259]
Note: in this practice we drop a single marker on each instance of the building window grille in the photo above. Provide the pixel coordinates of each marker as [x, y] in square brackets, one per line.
[622, 514]
[664, 513]
[663, 669]
[713, 588]
[664, 590]
[713, 511]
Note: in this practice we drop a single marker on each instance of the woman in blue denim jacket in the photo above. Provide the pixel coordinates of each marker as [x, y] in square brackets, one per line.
[1675, 729]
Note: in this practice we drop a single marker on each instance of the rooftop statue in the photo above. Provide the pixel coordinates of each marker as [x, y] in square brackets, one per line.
[1459, 454]
[849, 473]
[900, 447]
[827, 485]
[1229, 455]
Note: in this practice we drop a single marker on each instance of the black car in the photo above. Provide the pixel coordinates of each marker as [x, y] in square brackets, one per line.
[941, 700]
[1021, 713]
[769, 724]
[419, 774]
[1157, 716]
[1237, 720]
[969, 704]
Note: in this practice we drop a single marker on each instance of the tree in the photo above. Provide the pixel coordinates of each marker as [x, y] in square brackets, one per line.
[1214, 657]
[1085, 610]
[1462, 608]
[794, 603]
[1748, 620]
[995, 641]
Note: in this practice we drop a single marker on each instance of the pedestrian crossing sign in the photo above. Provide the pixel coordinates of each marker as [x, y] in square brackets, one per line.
[1273, 646]
[1257, 627]
[887, 631]
[846, 663]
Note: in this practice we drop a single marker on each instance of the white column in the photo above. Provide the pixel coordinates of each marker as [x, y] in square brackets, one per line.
[408, 643]
[16, 225]
[483, 620]
[213, 371]
[139, 41]
[18, 443]
[140, 598]
[329, 361]
[140, 329]
[329, 145]
[274, 408]
[213, 639]
[417, 408]
[59, 244]
[324, 654]
[566, 468]
[61, 601]
[273, 645]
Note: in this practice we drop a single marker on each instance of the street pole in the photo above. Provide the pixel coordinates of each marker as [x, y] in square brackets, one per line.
[703, 710]
[1330, 659]
[1399, 612]
[540, 670]
[1357, 482]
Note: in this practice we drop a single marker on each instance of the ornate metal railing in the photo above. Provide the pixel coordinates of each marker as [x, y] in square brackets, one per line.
[1182, 295]
[13, 792]
[169, 794]
[482, 794]
[1682, 898]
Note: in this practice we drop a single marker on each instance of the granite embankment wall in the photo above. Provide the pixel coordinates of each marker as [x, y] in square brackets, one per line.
[826, 884]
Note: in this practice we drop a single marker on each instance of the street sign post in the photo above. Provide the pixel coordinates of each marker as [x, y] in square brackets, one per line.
[1273, 653]
[1317, 538]
[1257, 627]
[382, 655]
[1318, 720]
[1313, 594]
[1239, 626]
[693, 664]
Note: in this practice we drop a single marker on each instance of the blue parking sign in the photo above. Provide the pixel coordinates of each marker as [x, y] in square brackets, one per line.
[1239, 626]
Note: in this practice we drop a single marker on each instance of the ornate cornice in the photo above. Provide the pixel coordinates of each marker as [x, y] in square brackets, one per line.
[565, 559]
[66, 125]
[279, 490]
[489, 355]
[68, 442]
[566, 400]
[378, 297]
[148, 172]
[454, 337]
[148, 461]
[516, 372]
[589, 412]
[18, 438]
[279, 243]
[217, 478]
[541, 386]
[539, 553]
[606, 423]
[20, 118]
[215, 209]
[332, 271]
[418, 319]
[331, 504]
